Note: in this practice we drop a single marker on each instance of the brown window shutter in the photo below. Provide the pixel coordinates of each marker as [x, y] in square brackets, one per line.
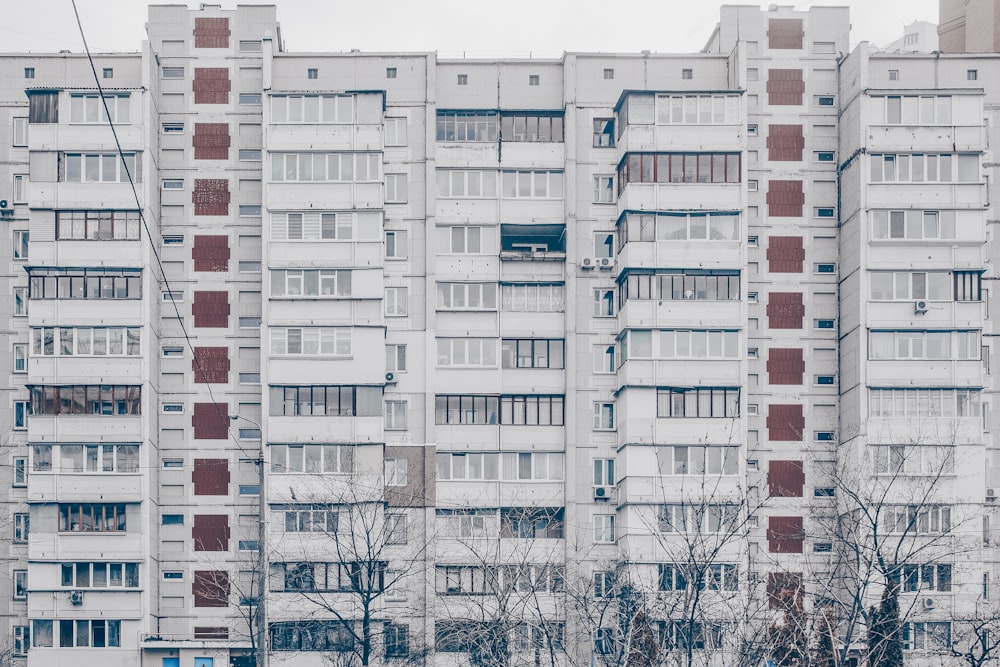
[211, 141]
[785, 423]
[210, 421]
[785, 534]
[210, 532]
[211, 365]
[212, 33]
[785, 143]
[785, 365]
[211, 477]
[211, 85]
[785, 254]
[784, 589]
[785, 87]
[785, 34]
[211, 196]
[785, 479]
[785, 310]
[785, 199]
[211, 309]
[210, 588]
[210, 253]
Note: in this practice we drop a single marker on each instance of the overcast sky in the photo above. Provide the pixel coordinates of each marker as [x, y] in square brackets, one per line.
[502, 28]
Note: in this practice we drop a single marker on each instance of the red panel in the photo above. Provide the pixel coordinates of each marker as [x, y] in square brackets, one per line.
[785, 34]
[210, 476]
[785, 479]
[785, 254]
[210, 421]
[210, 588]
[785, 143]
[210, 253]
[785, 365]
[211, 309]
[211, 33]
[784, 589]
[211, 85]
[211, 196]
[785, 86]
[785, 310]
[210, 532]
[211, 365]
[785, 534]
[785, 423]
[785, 199]
[211, 141]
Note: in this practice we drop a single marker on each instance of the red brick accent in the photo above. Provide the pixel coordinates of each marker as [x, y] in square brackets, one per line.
[785, 534]
[211, 141]
[785, 199]
[784, 86]
[210, 253]
[785, 365]
[785, 479]
[785, 423]
[211, 309]
[210, 476]
[783, 588]
[210, 532]
[211, 85]
[210, 421]
[213, 33]
[784, 143]
[210, 588]
[785, 254]
[785, 34]
[214, 365]
[211, 196]
[785, 310]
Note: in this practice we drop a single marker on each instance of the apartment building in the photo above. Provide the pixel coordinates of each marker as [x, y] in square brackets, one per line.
[495, 362]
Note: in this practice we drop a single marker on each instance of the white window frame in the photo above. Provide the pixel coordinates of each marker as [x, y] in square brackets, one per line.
[604, 529]
[395, 357]
[396, 471]
[396, 244]
[20, 131]
[396, 302]
[604, 416]
[20, 361]
[395, 415]
[395, 131]
[396, 188]
[604, 189]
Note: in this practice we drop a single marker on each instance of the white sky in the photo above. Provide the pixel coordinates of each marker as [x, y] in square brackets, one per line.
[502, 28]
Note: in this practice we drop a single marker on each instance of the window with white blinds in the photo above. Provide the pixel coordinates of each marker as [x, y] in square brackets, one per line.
[319, 225]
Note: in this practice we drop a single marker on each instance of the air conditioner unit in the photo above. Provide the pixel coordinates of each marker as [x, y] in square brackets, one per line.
[606, 263]
[76, 597]
[929, 603]
[919, 306]
[588, 263]
[390, 378]
[991, 495]
[603, 492]
[4, 203]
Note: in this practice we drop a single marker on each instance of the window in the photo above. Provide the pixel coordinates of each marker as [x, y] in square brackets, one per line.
[467, 296]
[20, 131]
[680, 344]
[824, 100]
[306, 519]
[97, 225]
[204, 662]
[250, 154]
[752, 130]
[249, 378]
[395, 415]
[604, 359]
[395, 188]
[250, 99]
[712, 577]
[319, 341]
[916, 519]
[531, 126]
[312, 73]
[396, 302]
[171, 408]
[605, 641]
[698, 460]
[679, 168]
[495, 466]
[923, 345]
[90, 108]
[99, 167]
[20, 477]
[91, 517]
[927, 577]
[925, 168]
[824, 156]
[249, 322]
[698, 402]
[533, 353]
[609, 73]
[396, 244]
[533, 79]
[251, 211]
[85, 399]
[395, 472]
[693, 285]
[604, 132]
[924, 402]
[395, 358]
[21, 410]
[43, 106]
[20, 194]
[916, 109]
[467, 126]
[968, 285]
[531, 184]
[85, 341]
[913, 459]
[894, 75]
[913, 225]
[390, 72]
[465, 240]
[533, 297]
[604, 416]
[20, 358]
[310, 283]
[531, 522]
[29, 72]
[173, 184]
[395, 131]
[752, 185]
[463, 79]
[20, 584]
[698, 518]
[21, 528]
[910, 285]
[172, 519]
[687, 74]
[22, 640]
[316, 459]
[326, 167]
[518, 410]
[971, 74]
[467, 352]
[604, 472]
[396, 638]
[604, 303]
[326, 400]
[466, 184]
[604, 189]
[395, 528]
[172, 72]
[173, 127]
[927, 636]
[320, 225]
[604, 528]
